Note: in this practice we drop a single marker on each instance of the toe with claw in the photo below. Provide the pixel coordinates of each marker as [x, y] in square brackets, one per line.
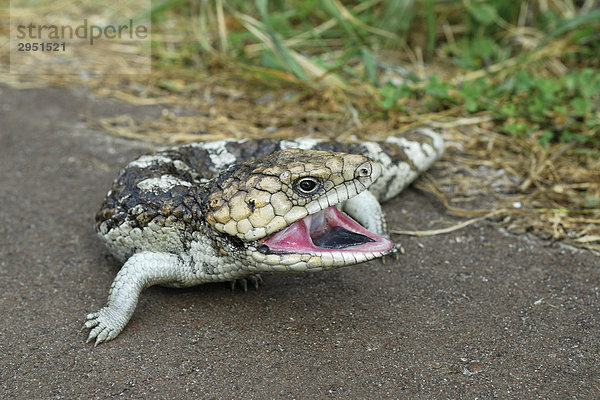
[103, 325]
[394, 254]
[255, 280]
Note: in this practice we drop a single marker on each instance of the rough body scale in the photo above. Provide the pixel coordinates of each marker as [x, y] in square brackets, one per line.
[229, 210]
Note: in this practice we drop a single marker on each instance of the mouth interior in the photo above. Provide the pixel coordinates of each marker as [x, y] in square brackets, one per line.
[326, 231]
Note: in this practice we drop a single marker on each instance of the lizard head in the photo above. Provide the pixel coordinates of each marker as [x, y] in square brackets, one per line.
[283, 208]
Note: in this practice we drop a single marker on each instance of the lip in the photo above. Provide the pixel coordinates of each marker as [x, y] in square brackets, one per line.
[332, 230]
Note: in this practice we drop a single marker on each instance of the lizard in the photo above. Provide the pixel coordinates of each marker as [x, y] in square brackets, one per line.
[230, 210]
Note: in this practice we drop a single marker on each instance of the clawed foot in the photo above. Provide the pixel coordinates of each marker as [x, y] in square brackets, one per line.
[104, 326]
[394, 254]
[254, 280]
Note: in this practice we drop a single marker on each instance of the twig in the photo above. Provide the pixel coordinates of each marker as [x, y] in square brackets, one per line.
[454, 227]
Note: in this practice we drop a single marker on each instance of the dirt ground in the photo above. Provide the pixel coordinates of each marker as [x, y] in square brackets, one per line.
[477, 313]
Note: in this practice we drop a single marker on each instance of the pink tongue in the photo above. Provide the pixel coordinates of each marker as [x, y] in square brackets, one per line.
[296, 237]
[293, 237]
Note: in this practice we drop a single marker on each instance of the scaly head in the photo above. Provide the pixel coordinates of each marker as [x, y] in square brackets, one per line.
[283, 210]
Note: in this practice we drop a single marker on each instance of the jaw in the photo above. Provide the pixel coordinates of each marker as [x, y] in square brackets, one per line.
[330, 235]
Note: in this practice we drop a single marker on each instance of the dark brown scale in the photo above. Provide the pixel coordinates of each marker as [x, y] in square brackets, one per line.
[186, 203]
[128, 202]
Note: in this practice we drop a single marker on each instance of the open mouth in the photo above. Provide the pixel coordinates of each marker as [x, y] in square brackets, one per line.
[325, 231]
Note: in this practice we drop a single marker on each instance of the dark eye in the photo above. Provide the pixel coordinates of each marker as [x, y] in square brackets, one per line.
[307, 185]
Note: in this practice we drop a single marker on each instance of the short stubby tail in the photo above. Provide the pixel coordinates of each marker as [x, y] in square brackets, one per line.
[403, 158]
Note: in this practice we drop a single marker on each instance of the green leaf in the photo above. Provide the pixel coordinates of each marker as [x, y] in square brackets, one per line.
[566, 136]
[580, 106]
[261, 5]
[546, 138]
[548, 88]
[270, 60]
[484, 13]
[281, 51]
[344, 22]
[569, 24]
[523, 81]
[370, 63]
[437, 88]
[508, 110]
[515, 128]
[391, 94]
[472, 92]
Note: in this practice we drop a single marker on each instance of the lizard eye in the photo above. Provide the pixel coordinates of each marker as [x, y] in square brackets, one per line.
[307, 186]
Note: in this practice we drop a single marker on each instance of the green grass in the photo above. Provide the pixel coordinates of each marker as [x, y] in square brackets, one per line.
[534, 69]
[564, 109]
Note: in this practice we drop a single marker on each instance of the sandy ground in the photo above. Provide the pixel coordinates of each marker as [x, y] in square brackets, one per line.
[473, 314]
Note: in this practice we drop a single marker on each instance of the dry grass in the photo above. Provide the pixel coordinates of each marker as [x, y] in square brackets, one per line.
[547, 191]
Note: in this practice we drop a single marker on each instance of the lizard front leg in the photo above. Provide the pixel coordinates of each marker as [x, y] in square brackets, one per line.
[366, 210]
[139, 272]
